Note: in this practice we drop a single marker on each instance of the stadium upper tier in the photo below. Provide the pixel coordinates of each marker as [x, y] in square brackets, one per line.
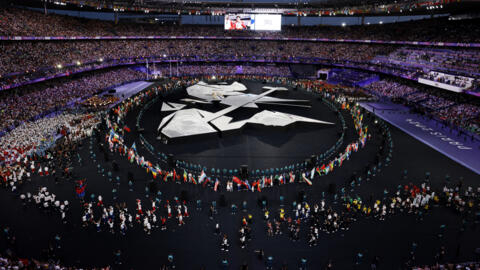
[18, 22]
[25, 61]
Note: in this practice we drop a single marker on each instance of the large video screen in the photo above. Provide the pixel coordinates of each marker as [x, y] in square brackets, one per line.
[257, 22]
[239, 21]
[268, 22]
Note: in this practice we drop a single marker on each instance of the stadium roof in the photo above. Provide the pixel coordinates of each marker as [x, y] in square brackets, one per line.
[285, 7]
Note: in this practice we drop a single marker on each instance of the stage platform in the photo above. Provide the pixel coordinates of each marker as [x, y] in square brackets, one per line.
[463, 149]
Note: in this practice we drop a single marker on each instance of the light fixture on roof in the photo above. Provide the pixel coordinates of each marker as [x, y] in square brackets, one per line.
[380, 22]
[344, 24]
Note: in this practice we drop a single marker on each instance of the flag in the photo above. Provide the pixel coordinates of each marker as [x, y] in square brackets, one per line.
[247, 184]
[157, 168]
[193, 179]
[185, 176]
[206, 181]
[254, 184]
[202, 177]
[268, 181]
[80, 189]
[134, 147]
[306, 179]
[115, 137]
[111, 135]
[292, 177]
[169, 174]
[131, 156]
[312, 173]
[280, 178]
[237, 180]
[216, 185]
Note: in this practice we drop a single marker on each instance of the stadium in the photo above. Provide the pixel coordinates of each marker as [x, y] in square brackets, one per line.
[219, 134]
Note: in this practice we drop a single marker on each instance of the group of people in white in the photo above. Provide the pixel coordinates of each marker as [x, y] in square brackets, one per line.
[47, 201]
[119, 218]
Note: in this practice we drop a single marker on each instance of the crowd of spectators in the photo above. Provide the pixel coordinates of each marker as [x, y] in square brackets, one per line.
[12, 262]
[453, 108]
[435, 103]
[466, 116]
[100, 102]
[19, 22]
[462, 61]
[26, 60]
[390, 88]
[31, 56]
[450, 266]
[166, 70]
[30, 101]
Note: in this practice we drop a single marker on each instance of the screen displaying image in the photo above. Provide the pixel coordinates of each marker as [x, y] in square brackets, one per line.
[256, 22]
[239, 21]
[268, 22]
